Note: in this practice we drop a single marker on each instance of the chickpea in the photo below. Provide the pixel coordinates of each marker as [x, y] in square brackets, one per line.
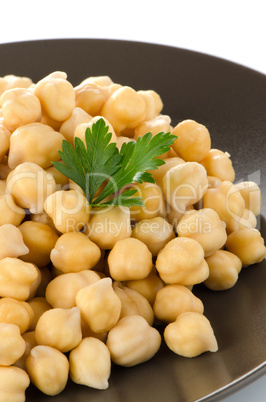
[35, 284]
[206, 227]
[248, 245]
[129, 259]
[218, 164]
[133, 303]
[154, 104]
[182, 262]
[227, 201]
[4, 141]
[29, 184]
[10, 212]
[10, 81]
[29, 338]
[184, 185]
[74, 252]
[61, 291]
[46, 277]
[147, 287]
[13, 383]
[99, 305]
[48, 369]
[158, 174]
[125, 109]
[11, 242]
[247, 221]
[81, 129]
[20, 106]
[108, 226]
[133, 341]
[154, 125]
[35, 142]
[40, 239]
[153, 199]
[90, 97]
[120, 141]
[173, 300]
[101, 80]
[193, 142]
[39, 305]
[190, 335]
[224, 269]
[59, 328]
[16, 277]
[78, 116]
[90, 364]
[12, 345]
[68, 209]
[57, 96]
[155, 233]
[251, 193]
[16, 312]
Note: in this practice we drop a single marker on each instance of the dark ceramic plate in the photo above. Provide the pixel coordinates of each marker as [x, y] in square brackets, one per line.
[231, 101]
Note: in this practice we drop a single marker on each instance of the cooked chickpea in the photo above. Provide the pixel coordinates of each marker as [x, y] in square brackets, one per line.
[68, 209]
[99, 305]
[155, 233]
[62, 182]
[158, 174]
[184, 185]
[29, 338]
[173, 300]
[129, 259]
[40, 239]
[12, 345]
[153, 199]
[147, 287]
[248, 245]
[16, 312]
[213, 181]
[133, 303]
[224, 269]
[154, 125]
[61, 291]
[193, 142]
[57, 96]
[206, 227]
[35, 142]
[81, 129]
[59, 328]
[90, 363]
[10, 212]
[108, 226]
[4, 141]
[125, 108]
[90, 97]
[154, 104]
[48, 369]
[10, 81]
[74, 252]
[190, 335]
[218, 164]
[20, 106]
[16, 277]
[174, 217]
[13, 383]
[101, 80]
[251, 193]
[29, 184]
[182, 262]
[78, 116]
[11, 242]
[39, 305]
[133, 341]
[227, 201]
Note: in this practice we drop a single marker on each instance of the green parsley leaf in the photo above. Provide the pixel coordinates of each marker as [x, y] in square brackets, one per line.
[99, 161]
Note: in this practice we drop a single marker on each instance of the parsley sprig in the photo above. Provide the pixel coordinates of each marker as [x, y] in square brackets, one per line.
[100, 161]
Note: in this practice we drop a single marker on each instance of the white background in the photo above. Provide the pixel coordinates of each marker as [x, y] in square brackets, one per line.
[232, 29]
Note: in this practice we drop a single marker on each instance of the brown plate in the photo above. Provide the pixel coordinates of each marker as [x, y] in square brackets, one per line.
[231, 101]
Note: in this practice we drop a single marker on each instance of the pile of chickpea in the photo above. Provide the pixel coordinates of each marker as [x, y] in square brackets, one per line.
[82, 288]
